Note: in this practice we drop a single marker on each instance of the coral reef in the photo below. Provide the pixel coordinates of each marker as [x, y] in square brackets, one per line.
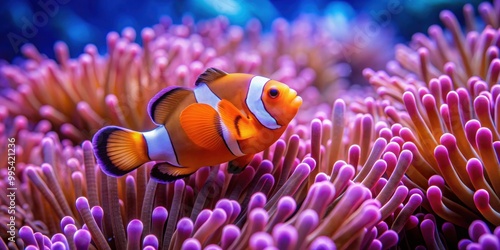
[79, 96]
[410, 161]
[283, 199]
[450, 116]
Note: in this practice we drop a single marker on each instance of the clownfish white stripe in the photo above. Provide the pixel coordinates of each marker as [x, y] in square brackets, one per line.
[255, 104]
[160, 146]
[231, 143]
[204, 94]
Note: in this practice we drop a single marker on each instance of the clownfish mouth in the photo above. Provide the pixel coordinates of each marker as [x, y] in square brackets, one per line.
[296, 102]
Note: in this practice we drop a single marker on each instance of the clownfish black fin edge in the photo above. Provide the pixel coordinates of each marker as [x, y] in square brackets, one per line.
[162, 105]
[239, 164]
[211, 74]
[164, 172]
[118, 150]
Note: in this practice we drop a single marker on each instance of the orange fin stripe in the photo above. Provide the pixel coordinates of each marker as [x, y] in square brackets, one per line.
[239, 126]
[202, 125]
[119, 150]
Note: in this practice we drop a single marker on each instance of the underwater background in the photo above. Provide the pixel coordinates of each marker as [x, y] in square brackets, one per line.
[396, 145]
[80, 22]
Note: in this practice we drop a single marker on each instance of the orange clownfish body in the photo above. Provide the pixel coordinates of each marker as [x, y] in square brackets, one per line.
[226, 117]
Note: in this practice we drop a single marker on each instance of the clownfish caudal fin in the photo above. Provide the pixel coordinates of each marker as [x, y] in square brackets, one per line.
[119, 150]
[163, 172]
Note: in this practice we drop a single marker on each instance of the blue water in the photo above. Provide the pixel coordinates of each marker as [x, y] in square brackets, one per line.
[43, 22]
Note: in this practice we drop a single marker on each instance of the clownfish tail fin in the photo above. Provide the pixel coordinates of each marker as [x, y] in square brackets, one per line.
[119, 150]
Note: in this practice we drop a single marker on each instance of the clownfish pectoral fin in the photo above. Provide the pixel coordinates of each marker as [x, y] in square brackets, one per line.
[239, 164]
[164, 172]
[202, 125]
[239, 126]
[162, 105]
[210, 75]
[119, 151]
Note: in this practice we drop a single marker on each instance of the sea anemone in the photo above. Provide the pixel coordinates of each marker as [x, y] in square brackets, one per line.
[283, 199]
[413, 166]
[78, 96]
[481, 237]
[466, 55]
[443, 98]
[67, 200]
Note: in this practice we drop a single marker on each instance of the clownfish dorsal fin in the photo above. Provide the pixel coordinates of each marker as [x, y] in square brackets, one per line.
[202, 125]
[164, 172]
[239, 126]
[211, 74]
[163, 104]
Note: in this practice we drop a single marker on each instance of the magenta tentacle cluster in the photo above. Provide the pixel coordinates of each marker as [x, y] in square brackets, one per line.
[410, 161]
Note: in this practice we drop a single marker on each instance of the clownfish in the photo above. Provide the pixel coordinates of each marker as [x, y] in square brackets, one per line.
[224, 118]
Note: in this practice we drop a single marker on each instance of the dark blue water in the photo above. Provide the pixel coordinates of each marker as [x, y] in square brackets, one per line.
[43, 22]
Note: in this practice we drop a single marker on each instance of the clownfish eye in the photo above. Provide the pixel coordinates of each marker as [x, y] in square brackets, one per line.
[273, 93]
